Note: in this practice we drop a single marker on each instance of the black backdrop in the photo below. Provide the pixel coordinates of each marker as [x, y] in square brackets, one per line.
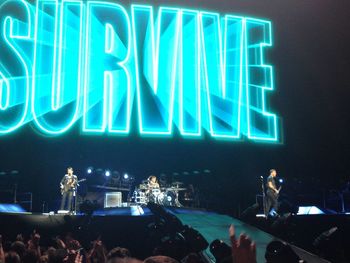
[311, 57]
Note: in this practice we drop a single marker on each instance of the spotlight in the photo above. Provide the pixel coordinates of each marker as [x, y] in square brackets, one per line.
[107, 173]
[281, 180]
[126, 176]
[89, 170]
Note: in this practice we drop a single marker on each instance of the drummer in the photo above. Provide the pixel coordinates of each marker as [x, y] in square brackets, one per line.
[152, 182]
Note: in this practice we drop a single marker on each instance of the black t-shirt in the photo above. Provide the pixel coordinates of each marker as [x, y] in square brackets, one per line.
[72, 180]
[270, 179]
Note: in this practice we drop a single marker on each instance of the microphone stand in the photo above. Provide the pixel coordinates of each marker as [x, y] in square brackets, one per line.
[75, 196]
[75, 200]
[263, 194]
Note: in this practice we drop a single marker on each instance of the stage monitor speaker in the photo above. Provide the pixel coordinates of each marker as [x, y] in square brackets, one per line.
[309, 210]
[12, 208]
[113, 199]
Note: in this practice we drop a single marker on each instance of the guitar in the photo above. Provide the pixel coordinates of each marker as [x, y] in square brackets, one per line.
[278, 191]
[71, 183]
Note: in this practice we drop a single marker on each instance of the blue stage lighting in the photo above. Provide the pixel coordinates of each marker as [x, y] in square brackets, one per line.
[126, 176]
[11, 208]
[89, 170]
[107, 173]
[281, 180]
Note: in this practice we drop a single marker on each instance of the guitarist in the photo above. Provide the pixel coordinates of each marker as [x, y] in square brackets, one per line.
[271, 193]
[68, 186]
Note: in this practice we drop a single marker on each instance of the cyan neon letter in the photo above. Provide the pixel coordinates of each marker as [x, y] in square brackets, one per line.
[262, 125]
[222, 43]
[57, 65]
[108, 83]
[156, 52]
[15, 31]
[189, 74]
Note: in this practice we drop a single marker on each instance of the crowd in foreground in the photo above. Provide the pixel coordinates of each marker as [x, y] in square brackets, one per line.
[70, 250]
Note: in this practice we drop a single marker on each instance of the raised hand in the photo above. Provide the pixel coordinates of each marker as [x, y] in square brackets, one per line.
[78, 258]
[243, 249]
[2, 254]
[60, 243]
[36, 239]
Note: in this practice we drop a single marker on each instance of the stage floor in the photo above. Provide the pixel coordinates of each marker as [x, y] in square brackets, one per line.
[130, 221]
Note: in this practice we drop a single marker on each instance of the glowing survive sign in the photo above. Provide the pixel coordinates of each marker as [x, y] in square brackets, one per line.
[100, 63]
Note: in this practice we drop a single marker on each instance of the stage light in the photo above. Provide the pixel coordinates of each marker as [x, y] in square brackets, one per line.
[107, 173]
[11, 208]
[281, 180]
[89, 170]
[309, 210]
[126, 176]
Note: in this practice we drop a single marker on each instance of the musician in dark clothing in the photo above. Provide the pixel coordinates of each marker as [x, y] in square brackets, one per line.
[68, 186]
[271, 193]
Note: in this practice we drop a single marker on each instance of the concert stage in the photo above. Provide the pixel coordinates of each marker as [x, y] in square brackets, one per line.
[128, 227]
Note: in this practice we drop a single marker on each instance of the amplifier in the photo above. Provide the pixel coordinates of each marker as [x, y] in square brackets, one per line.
[113, 199]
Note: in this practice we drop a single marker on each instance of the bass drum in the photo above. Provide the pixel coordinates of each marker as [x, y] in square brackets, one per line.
[139, 197]
[154, 195]
[167, 198]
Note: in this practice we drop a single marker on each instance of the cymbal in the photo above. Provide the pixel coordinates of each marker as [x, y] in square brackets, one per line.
[176, 189]
[177, 183]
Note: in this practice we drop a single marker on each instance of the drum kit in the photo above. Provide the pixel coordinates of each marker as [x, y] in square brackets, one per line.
[166, 196]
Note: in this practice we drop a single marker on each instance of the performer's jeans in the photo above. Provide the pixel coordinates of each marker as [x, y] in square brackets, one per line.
[67, 195]
[271, 202]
